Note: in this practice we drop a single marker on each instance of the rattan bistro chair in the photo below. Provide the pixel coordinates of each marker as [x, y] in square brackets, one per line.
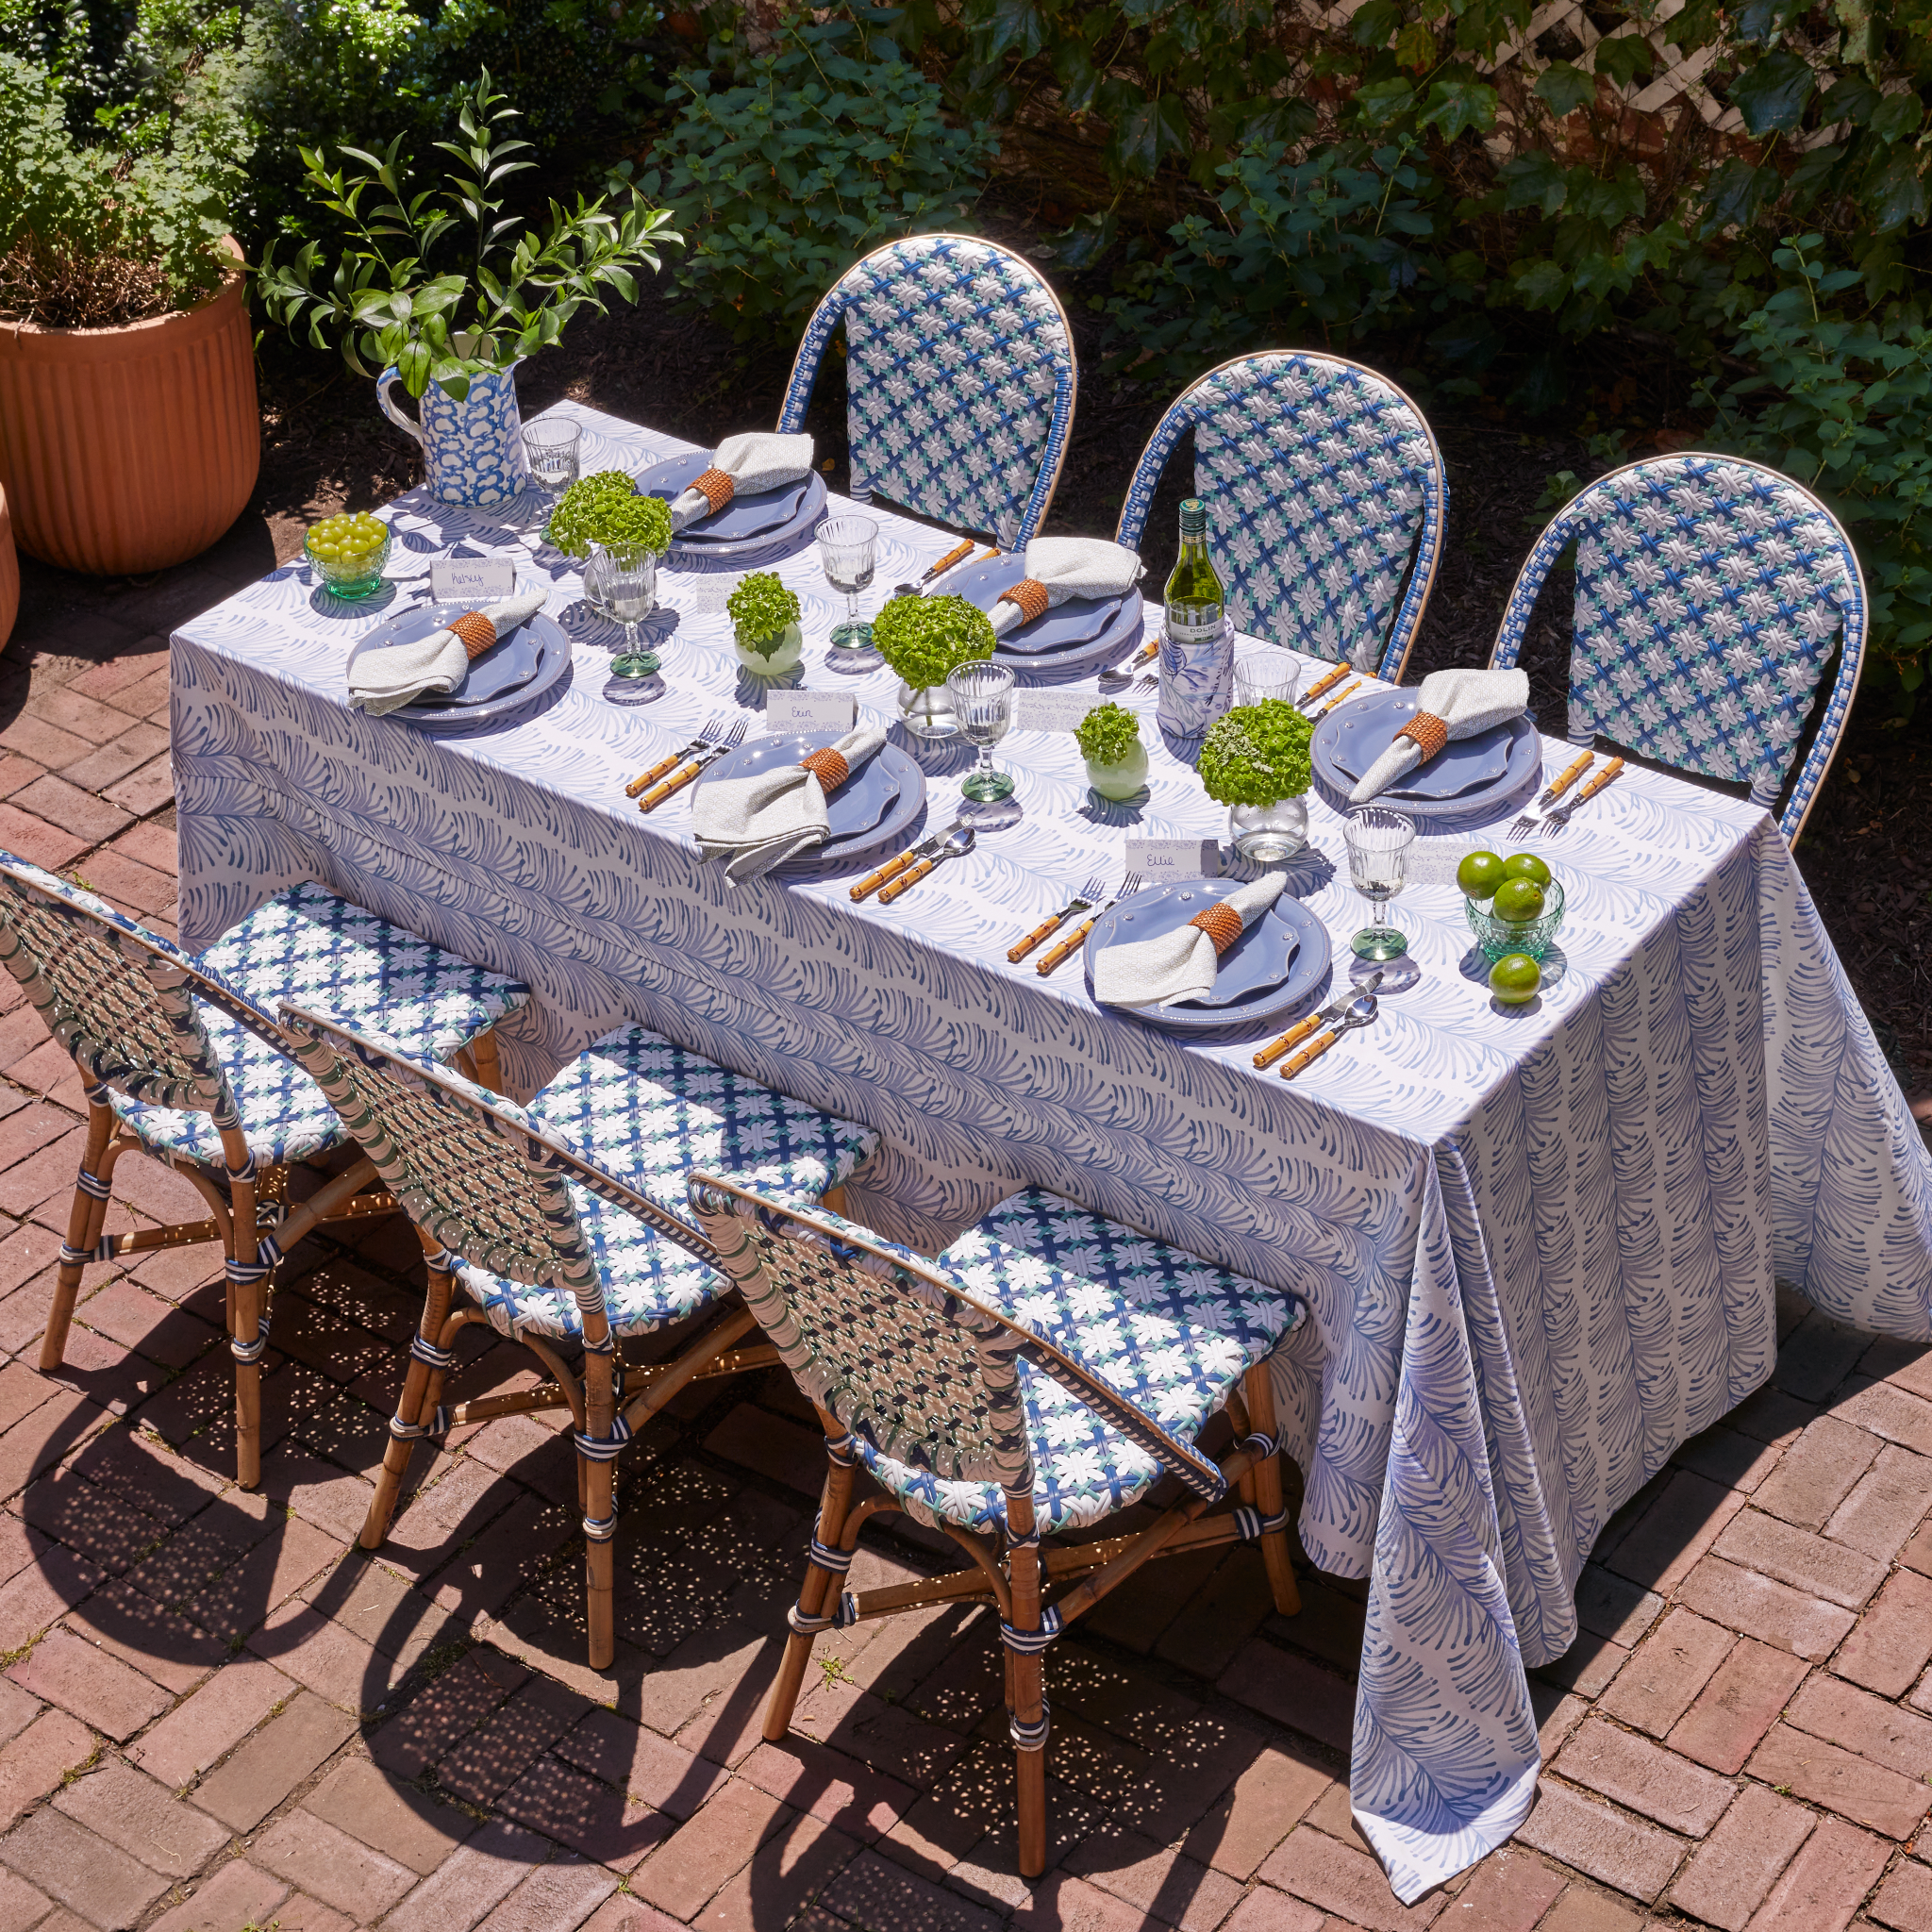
[182, 1061]
[1710, 596]
[567, 1224]
[1324, 488]
[960, 380]
[1043, 1373]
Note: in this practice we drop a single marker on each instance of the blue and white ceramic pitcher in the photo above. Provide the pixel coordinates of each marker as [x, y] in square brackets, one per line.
[474, 448]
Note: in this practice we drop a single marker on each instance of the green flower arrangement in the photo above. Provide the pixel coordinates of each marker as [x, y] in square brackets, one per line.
[925, 638]
[1257, 754]
[761, 607]
[607, 508]
[1106, 734]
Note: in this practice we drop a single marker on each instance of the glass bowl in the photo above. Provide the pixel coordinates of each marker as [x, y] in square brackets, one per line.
[360, 578]
[1535, 937]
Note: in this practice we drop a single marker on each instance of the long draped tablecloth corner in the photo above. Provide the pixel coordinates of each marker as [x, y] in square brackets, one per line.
[1539, 1247]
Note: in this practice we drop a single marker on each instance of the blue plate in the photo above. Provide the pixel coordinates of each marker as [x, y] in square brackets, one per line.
[763, 517]
[1467, 776]
[853, 811]
[514, 672]
[1078, 621]
[1272, 968]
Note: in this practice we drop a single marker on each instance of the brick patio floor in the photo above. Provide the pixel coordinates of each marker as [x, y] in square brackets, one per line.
[216, 1713]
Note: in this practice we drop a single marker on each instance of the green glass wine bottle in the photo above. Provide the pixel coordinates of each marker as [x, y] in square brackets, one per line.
[1196, 646]
[1195, 595]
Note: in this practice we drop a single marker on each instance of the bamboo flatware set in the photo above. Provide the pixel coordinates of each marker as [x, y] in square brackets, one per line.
[1528, 821]
[707, 748]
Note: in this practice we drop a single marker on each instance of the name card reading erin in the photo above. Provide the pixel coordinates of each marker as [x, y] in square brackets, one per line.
[1052, 711]
[1157, 860]
[809, 710]
[473, 580]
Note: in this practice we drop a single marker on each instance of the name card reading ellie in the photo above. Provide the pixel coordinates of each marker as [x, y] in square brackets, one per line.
[1159, 861]
[473, 580]
[809, 710]
[1052, 711]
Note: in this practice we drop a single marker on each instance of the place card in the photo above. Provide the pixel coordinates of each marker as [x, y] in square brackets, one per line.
[809, 710]
[473, 580]
[1052, 711]
[1160, 860]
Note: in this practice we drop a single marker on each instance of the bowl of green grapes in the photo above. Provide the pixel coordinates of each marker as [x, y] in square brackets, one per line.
[1513, 903]
[348, 553]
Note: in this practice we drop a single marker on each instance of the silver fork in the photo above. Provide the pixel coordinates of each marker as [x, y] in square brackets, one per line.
[1082, 901]
[1077, 938]
[714, 728]
[706, 753]
[1527, 821]
[1559, 818]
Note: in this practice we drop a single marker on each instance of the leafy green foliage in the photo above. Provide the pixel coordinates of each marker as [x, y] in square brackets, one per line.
[1106, 734]
[761, 607]
[1257, 754]
[803, 160]
[923, 638]
[607, 508]
[104, 232]
[518, 289]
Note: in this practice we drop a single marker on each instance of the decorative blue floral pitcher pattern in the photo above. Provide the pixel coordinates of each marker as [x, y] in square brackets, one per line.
[474, 448]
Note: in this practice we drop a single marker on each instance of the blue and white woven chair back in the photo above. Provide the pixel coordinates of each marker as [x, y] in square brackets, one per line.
[115, 996]
[896, 1352]
[959, 379]
[470, 1169]
[1326, 497]
[1712, 593]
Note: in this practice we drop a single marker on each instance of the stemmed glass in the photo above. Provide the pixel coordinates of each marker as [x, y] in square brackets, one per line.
[848, 548]
[552, 450]
[982, 694]
[630, 594]
[1378, 847]
[1262, 674]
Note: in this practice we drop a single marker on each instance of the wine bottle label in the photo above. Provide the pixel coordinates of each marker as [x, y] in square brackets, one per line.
[1196, 627]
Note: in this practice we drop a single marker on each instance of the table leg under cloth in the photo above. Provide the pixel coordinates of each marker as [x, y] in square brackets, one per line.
[1521, 1308]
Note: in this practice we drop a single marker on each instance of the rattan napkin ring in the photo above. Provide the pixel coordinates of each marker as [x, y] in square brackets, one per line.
[716, 487]
[1430, 732]
[476, 630]
[1220, 923]
[1029, 593]
[827, 764]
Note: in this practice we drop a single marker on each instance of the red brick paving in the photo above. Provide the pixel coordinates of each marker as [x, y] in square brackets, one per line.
[215, 1712]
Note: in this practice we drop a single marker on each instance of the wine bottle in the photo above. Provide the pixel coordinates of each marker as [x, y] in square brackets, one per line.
[1194, 594]
[1196, 647]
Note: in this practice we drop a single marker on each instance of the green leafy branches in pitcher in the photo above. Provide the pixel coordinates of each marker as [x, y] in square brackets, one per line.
[385, 300]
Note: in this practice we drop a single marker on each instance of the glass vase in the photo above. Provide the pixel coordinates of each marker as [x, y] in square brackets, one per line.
[772, 656]
[1269, 833]
[929, 713]
[1122, 779]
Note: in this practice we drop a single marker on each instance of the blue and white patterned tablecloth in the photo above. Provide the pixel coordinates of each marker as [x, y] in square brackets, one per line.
[1539, 1246]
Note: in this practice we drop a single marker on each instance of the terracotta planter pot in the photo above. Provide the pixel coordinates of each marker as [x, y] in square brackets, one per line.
[10, 576]
[125, 450]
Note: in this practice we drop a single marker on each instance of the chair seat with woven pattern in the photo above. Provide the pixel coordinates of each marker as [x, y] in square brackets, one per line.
[647, 1113]
[1172, 1334]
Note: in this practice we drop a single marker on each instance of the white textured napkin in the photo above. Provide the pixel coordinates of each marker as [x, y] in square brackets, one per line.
[759, 460]
[1466, 701]
[755, 824]
[1181, 964]
[1071, 567]
[381, 680]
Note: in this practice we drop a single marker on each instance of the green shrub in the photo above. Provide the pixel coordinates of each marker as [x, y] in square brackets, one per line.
[1106, 734]
[761, 607]
[1257, 754]
[829, 145]
[923, 638]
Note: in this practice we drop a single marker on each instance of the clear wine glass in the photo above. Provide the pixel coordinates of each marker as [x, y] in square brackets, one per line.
[552, 449]
[848, 548]
[630, 594]
[1378, 847]
[982, 694]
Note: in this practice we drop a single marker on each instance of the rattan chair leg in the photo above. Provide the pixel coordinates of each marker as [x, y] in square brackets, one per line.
[819, 1584]
[1027, 1677]
[596, 1481]
[1275, 1552]
[489, 1065]
[421, 1389]
[80, 1219]
[245, 1322]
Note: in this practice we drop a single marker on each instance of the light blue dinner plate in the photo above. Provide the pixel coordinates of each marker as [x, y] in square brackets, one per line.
[854, 811]
[1467, 776]
[1078, 621]
[1279, 960]
[514, 672]
[761, 519]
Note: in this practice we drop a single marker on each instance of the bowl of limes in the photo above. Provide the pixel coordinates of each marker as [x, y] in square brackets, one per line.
[348, 553]
[1513, 903]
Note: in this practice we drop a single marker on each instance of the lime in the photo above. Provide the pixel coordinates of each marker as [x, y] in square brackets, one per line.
[1518, 901]
[1527, 865]
[1480, 873]
[1515, 978]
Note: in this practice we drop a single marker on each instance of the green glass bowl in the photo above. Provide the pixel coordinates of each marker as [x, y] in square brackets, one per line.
[360, 578]
[1535, 937]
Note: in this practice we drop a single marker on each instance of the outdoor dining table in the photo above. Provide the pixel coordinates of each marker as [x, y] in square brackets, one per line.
[1539, 1245]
